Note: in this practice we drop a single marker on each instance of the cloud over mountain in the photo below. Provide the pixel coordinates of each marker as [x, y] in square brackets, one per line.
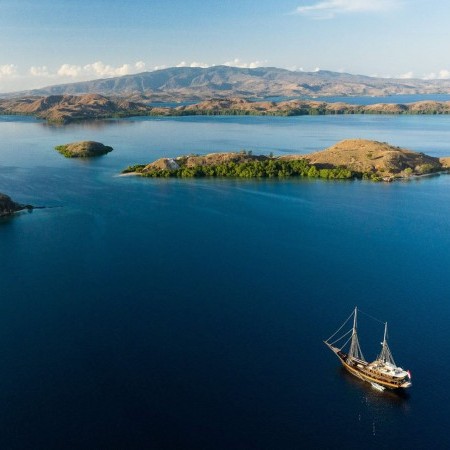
[197, 83]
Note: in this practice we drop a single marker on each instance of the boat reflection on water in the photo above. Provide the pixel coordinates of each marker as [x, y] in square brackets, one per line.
[374, 410]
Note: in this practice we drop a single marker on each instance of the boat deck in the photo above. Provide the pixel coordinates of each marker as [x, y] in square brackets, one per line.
[383, 371]
[370, 372]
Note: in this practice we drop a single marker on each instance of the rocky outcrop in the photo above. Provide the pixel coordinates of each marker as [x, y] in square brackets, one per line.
[9, 207]
[83, 149]
[165, 164]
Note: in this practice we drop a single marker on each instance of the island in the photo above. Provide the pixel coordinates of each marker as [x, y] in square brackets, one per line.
[9, 207]
[348, 159]
[64, 109]
[83, 149]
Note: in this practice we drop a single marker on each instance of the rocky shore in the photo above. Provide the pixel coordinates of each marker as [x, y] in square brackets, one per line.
[9, 207]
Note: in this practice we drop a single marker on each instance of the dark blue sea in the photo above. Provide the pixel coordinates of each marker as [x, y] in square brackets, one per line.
[178, 314]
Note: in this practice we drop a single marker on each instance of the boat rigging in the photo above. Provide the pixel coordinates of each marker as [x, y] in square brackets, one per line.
[382, 372]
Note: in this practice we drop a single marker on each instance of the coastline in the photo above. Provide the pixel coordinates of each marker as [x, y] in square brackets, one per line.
[345, 160]
[65, 109]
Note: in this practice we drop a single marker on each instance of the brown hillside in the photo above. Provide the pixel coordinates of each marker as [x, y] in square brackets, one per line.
[219, 158]
[362, 155]
[210, 159]
[66, 108]
[445, 162]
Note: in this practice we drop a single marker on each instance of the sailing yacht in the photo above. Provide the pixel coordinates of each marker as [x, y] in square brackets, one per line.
[382, 372]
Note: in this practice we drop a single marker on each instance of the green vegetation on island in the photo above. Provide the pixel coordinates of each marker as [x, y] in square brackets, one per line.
[260, 167]
[354, 158]
[83, 149]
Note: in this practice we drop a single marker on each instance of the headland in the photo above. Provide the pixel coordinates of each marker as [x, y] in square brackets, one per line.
[9, 207]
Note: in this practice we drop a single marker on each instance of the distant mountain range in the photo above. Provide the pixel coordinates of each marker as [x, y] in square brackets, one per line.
[188, 83]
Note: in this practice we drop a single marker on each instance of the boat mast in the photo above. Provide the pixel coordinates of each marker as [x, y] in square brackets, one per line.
[355, 349]
[386, 355]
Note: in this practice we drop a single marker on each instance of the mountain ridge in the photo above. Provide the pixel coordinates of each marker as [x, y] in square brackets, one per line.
[195, 83]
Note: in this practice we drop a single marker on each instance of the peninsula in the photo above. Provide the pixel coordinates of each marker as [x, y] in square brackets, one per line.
[348, 159]
[62, 109]
[9, 207]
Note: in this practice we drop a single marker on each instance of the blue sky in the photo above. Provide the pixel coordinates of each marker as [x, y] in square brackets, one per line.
[45, 42]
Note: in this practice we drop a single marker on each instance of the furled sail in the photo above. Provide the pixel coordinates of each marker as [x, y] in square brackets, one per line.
[355, 349]
[382, 372]
[386, 355]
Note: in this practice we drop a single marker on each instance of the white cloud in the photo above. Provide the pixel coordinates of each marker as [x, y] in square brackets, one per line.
[302, 69]
[199, 64]
[39, 71]
[407, 75]
[328, 9]
[97, 69]
[8, 70]
[234, 63]
[443, 74]
[193, 64]
[243, 65]
[140, 65]
[69, 70]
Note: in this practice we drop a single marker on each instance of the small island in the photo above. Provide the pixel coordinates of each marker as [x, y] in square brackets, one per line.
[9, 207]
[348, 159]
[83, 149]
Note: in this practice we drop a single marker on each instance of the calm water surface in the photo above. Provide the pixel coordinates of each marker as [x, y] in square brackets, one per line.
[359, 100]
[145, 313]
[356, 100]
